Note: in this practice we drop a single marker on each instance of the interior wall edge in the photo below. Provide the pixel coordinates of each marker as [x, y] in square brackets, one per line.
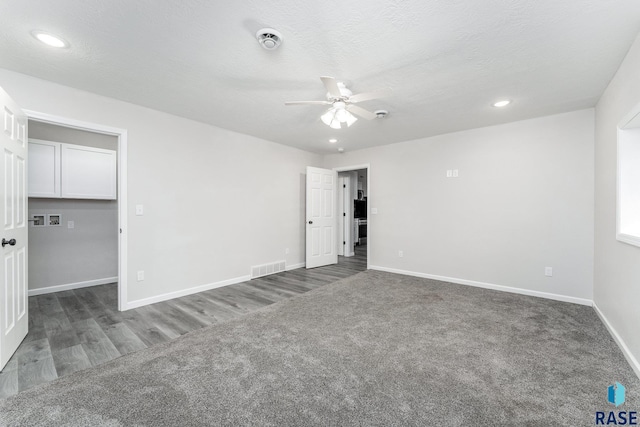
[626, 351]
[184, 292]
[70, 286]
[484, 285]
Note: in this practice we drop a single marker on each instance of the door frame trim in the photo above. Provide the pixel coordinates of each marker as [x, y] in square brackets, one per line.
[366, 166]
[121, 135]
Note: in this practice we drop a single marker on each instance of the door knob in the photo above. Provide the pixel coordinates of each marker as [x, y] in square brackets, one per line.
[6, 242]
[310, 222]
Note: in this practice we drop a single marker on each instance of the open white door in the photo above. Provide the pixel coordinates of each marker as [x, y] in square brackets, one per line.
[322, 224]
[14, 318]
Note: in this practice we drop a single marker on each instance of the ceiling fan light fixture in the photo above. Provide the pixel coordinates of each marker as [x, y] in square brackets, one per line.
[351, 119]
[342, 115]
[328, 116]
[335, 124]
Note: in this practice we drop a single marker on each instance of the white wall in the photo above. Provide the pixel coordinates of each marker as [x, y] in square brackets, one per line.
[216, 201]
[523, 201]
[88, 252]
[617, 264]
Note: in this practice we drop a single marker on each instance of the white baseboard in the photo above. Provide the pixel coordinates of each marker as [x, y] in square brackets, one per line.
[295, 266]
[69, 286]
[618, 339]
[557, 297]
[196, 289]
[184, 292]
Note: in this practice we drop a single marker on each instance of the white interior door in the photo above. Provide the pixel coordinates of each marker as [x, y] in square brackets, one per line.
[322, 224]
[14, 318]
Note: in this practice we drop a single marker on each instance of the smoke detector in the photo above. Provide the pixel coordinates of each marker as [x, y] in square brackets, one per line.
[269, 38]
[381, 114]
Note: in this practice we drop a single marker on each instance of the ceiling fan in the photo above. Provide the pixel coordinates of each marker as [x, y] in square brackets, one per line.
[342, 103]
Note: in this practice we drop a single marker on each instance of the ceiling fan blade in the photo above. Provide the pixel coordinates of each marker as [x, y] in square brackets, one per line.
[359, 111]
[332, 86]
[307, 102]
[370, 95]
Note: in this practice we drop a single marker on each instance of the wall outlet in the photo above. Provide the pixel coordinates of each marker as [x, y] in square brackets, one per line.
[71, 224]
[455, 173]
[374, 211]
[140, 275]
[449, 173]
[548, 271]
[400, 254]
[139, 210]
[286, 251]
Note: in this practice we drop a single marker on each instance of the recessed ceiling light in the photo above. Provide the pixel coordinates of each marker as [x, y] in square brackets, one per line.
[49, 39]
[503, 103]
[333, 140]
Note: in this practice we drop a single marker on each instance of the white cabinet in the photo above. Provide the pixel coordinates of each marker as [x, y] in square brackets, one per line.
[88, 173]
[70, 171]
[44, 168]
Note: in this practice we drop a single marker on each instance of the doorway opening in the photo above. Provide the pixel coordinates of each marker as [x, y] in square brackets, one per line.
[353, 212]
[81, 241]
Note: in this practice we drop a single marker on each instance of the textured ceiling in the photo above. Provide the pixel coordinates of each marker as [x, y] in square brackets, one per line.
[446, 60]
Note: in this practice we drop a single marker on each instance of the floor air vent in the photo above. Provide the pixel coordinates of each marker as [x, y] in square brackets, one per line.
[266, 269]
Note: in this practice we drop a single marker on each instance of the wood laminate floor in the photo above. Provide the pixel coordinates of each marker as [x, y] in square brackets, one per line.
[74, 330]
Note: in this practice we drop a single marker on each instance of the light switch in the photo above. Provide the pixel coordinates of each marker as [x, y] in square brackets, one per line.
[139, 210]
[449, 173]
[455, 173]
[70, 224]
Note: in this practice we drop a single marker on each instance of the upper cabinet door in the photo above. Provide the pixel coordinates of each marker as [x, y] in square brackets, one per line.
[88, 173]
[44, 168]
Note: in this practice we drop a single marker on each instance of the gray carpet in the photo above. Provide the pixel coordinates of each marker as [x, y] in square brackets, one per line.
[373, 349]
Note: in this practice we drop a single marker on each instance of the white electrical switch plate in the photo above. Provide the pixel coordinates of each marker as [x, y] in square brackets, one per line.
[286, 251]
[139, 210]
[400, 254]
[70, 224]
[374, 211]
[140, 275]
[548, 271]
[455, 173]
[449, 173]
